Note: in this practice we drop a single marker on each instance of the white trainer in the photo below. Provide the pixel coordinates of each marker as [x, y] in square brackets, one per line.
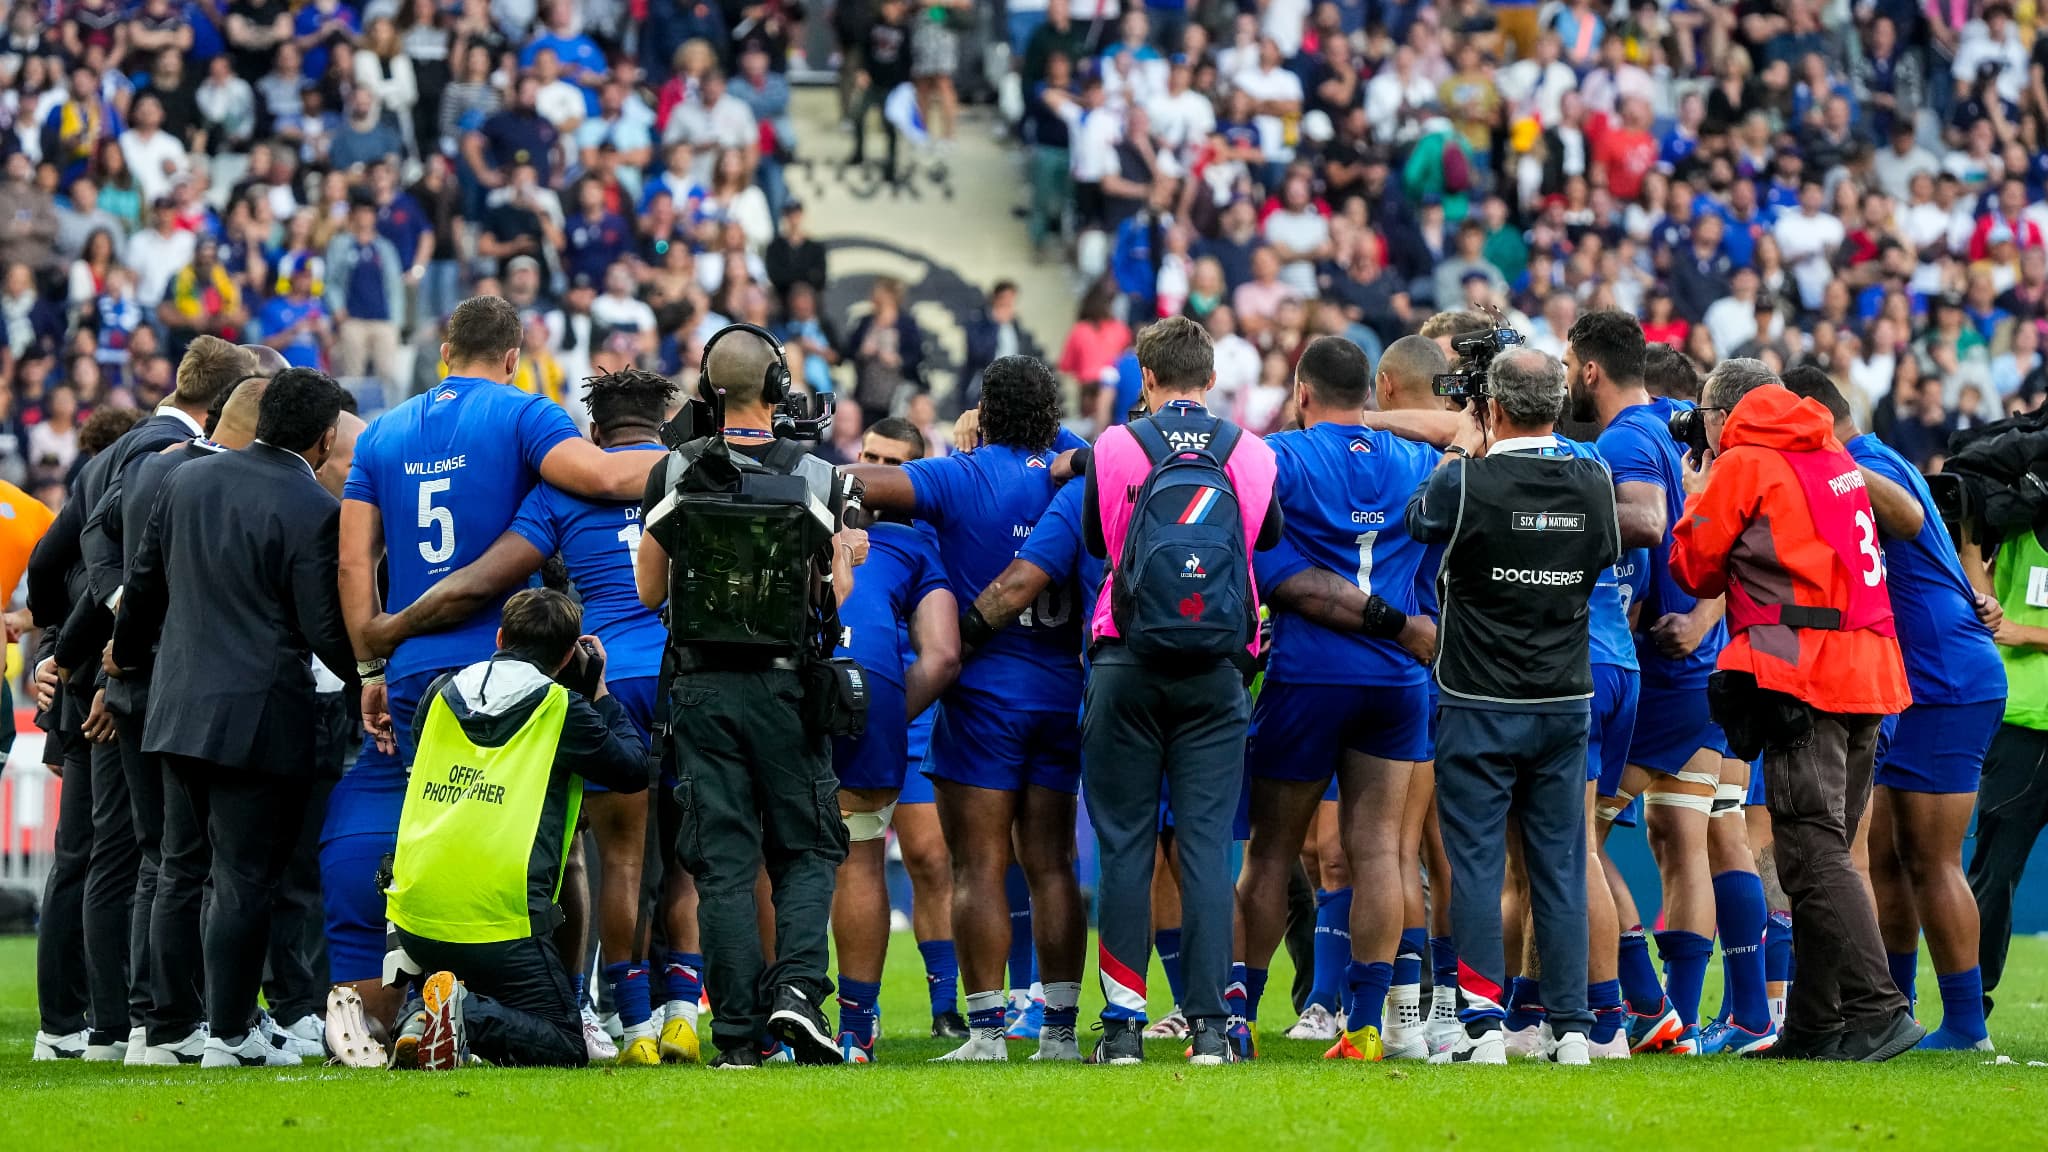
[596, 1044]
[1525, 1042]
[1173, 1026]
[254, 1050]
[1316, 1023]
[1486, 1047]
[68, 1046]
[346, 1031]
[114, 1053]
[185, 1051]
[1615, 1047]
[1441, 1030]
[138, 1043]
[982, 1044]
[1570, 1048]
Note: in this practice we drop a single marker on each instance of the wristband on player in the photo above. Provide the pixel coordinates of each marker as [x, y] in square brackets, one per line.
[1382, 620]
[975, 630]
[370, 671]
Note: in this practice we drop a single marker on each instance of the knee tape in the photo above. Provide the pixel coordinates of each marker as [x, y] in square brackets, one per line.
[862, 826]
[1709, 778]
[1728, 800]
[1608, 807]
[1701, 804]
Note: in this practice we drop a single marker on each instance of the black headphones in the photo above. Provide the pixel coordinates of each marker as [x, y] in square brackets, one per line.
[774, 383]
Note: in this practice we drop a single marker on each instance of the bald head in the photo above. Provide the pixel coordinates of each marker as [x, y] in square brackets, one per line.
[334, 473]
[236, 427]
[1408, 371]
[269, 361]
[737, 366]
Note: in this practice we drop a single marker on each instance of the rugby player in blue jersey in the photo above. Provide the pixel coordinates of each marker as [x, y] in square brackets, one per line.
[1927, 772]
[902, 585]
[597, 541]
[1346, 704]
[434, 482]
[1005, 748]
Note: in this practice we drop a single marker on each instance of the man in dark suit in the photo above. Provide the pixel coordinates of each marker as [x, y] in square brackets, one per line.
[992, 333]
[71, 582]
[233, 584]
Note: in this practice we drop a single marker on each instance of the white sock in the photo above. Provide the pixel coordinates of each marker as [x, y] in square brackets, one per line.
[1062, 994]
[1777, 1011]
[687, 1009]
[1404, 1004]
[636, 1031]
[1443, 1003]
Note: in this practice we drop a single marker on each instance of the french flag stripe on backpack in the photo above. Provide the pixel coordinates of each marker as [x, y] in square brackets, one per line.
[1198, 508]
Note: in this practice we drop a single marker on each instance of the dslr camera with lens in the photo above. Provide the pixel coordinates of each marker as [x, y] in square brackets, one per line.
[1475, 351]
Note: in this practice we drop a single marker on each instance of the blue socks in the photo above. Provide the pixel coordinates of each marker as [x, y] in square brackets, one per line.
[1166, 942]
[1685, 972]
[628, 979]
[1905, 968]
[1962, 1012]
[682, 975]
[1408, 956]
[1525, 1003]
[857, 1009]
[1023, 957]
[1241, 995]
[1609, 1016]
[1443, 962]
[1332, 946]
[1365, 994]
[941, 975]
[1743, 917]
[1778, 948]
[1640, 986]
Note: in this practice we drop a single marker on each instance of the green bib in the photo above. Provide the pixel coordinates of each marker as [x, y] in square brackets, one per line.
[2021, 583]
[465, 836]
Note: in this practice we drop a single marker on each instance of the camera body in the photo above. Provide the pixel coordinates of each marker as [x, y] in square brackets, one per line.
[800, 416]
[1475, 351]
[1688, 426]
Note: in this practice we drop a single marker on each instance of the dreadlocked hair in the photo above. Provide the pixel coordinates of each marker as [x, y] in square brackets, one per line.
[1020, 403]
[632, 397]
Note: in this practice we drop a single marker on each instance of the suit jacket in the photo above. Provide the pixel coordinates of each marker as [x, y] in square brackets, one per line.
[233, 583]
[146, 478]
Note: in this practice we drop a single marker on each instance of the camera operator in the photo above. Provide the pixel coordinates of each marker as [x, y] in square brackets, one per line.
[1777, 518]
[1513, 668]
[760, 562]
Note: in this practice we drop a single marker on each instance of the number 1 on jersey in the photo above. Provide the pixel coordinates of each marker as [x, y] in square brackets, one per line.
[1365, 542]
[630, 537]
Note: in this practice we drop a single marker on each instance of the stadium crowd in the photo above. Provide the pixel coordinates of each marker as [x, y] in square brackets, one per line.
[533, 214]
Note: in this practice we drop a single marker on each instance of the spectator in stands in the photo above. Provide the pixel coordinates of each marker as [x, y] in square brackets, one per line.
[887, 350]
[365, 281]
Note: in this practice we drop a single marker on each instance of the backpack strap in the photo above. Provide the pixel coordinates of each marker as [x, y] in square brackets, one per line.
[1223, 441]
[783, 456]
[1150, 439]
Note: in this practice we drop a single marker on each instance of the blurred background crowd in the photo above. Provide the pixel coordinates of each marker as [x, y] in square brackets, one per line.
[1863, 186]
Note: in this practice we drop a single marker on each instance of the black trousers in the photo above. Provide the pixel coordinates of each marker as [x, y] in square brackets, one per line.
[144, 774]
[2012, 809]
[756, 789]
[521, 1009]
[1491, 762]
[62, 993]
[236, 830]
[295, 984]
[1817, 795]
[1143, 727]
[110, 899]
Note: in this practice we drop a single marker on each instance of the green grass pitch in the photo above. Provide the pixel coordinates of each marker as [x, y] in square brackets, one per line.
[1288, 1099]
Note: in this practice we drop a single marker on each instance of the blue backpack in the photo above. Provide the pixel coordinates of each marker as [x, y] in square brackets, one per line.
[1183, 582]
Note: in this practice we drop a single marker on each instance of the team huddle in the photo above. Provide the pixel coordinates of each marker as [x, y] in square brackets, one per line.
[1010, 616]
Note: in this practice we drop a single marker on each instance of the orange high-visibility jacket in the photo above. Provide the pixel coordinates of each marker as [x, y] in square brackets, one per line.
[1784, 527]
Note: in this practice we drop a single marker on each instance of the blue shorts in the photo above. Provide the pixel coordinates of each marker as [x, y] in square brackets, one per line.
[1630, 816]
[989, 746]
[1940, 748]
[1614, 724]
[361, 828]
[877, 760]
[917, 787]
[1300, 731]
[1755, 796]
[635, 694]
[1679, 727]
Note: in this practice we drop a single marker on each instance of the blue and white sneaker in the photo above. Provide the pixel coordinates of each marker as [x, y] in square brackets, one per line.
[783, 1054]
[1654, 1031]
[1687, 1044]
[852, 1051]
[1024, 1020]
[1943, 1040]
[1728, 1037]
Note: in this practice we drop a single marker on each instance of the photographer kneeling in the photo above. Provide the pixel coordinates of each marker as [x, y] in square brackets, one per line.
[1778, 518]
[504, 748]
[1528, 521]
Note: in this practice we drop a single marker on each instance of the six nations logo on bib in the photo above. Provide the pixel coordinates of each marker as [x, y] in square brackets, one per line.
[1550, 522]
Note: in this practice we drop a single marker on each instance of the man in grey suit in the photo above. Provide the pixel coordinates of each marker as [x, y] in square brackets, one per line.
[233, 584]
